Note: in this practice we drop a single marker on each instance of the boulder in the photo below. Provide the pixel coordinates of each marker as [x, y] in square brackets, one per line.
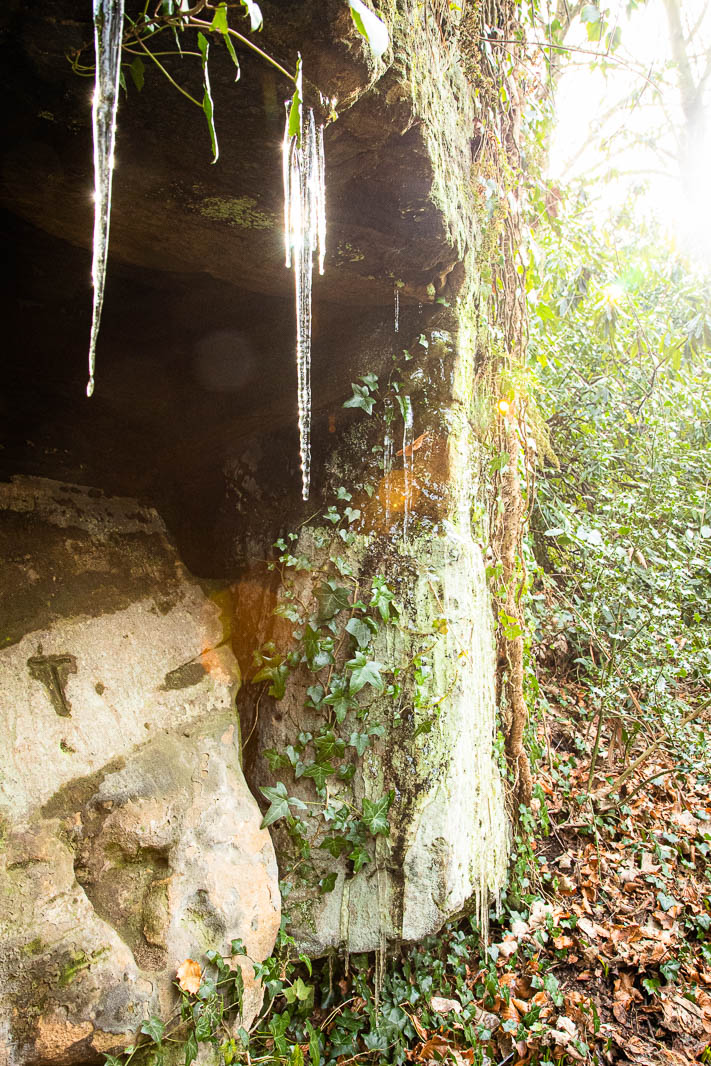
[130, 839]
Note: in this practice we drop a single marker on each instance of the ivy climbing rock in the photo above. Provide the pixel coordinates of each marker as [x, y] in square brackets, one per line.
[131, 841]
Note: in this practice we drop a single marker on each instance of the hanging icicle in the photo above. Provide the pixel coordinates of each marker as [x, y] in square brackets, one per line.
[108, 31]
[304, 233]
[407, 459]
[388, 447]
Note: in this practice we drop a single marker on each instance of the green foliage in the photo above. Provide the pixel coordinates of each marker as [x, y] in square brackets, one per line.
[370, 26]
[143, 32]
[334, 632]
[620, 335]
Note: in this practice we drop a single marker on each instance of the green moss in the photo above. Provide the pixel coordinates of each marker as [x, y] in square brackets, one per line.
[35, 947]
[236, 211]
[78, 962]
[349, 252]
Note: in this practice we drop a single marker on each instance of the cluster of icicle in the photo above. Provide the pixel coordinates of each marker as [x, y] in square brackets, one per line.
[108, 31]
[304, 235]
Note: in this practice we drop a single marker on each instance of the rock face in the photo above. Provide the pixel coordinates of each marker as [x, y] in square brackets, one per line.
[426, 731]
[130, 839]
[124, 827]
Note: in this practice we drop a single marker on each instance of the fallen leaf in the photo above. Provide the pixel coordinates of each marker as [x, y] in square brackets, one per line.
[416, 444]
[444, 1006]
[189, 974]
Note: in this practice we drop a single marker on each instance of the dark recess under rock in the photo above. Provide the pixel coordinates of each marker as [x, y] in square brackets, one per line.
[195, 403]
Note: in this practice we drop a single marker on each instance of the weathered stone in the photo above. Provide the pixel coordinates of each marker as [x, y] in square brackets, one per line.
[447, 847]
[195, 407]
[131, 841]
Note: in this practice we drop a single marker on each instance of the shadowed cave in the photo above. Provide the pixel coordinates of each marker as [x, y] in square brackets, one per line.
[195, 404]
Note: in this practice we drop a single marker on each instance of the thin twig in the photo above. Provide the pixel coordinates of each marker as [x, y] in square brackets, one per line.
[619, 781]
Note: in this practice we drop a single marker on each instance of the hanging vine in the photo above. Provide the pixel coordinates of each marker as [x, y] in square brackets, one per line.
[503, 327]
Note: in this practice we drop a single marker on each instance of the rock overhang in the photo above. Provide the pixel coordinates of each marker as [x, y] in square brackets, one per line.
[195, 357]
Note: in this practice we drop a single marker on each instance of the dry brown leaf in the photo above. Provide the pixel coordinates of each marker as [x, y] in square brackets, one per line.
[189, 974]
[444, 1006]
[508, 946]
[509, 1013]
[419, 1027]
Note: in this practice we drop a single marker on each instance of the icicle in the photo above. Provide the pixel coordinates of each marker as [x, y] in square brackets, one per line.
[320, 196]
[397, 309]
[108, 31]
[305, 233]
[387, 458]
[407, 459]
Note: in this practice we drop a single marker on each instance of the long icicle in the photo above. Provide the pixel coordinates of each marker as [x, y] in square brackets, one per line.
[407, 460]
[108, 31]
[305, 235]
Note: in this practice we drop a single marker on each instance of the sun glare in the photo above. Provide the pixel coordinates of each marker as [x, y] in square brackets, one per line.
[622, 123]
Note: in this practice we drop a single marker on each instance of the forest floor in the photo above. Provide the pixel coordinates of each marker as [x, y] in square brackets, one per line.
[609, 959]
[602, 951]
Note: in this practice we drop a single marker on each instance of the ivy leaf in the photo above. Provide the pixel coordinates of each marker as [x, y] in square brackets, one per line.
[277, 760]
[370, 26]
[220, 25]
[423, 727]
[375, 814]
[279, 800]
[345, 569]
[361, 398]
[191, 1049]
[360, 742]
[314, 694]
[352, 514]
[346, 772]
[154, 1029]
[338, 698]
[138, 70]
[314, 1045]
[297, 1056]
[207, 105]
[327, 884]
[359, 857]
[318, 649]
[238, 981]
[382, 598]
[203, 1028]
[365, 672]
[327, 745]
[320, 772]
[360, 632]
[277, 675]
[255, 14]
[334, 845]
[111, 1060]
[666, 902]
[331, 599]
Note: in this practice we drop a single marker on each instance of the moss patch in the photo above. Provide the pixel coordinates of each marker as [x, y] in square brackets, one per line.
[236, 211]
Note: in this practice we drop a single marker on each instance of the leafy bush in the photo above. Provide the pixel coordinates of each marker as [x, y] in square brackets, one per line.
[620, 336]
